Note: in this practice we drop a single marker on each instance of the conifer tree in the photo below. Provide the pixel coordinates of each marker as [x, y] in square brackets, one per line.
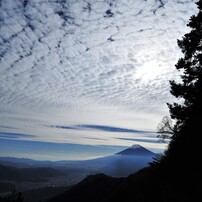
[185, 148]
[191, 64]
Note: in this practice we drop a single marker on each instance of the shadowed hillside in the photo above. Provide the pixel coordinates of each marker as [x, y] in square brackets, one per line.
[10, 173]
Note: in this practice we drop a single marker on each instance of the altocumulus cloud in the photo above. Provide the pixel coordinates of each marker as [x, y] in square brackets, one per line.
[73, 55]
[59, 52]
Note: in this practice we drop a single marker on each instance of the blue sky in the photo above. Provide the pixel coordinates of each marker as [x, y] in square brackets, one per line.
[92, 73]
[54, 151]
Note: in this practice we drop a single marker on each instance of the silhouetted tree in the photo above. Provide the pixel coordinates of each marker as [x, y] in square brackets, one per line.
[190, 87]
[184, 149]
[165, 129]
[14, 197]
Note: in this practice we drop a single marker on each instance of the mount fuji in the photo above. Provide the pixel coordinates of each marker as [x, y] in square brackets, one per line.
[125, 162]
[120, 164]
[113, 168]
[18, 171]
[136, 150]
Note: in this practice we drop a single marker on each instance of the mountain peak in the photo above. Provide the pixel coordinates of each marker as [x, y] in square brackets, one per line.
[136, 146]
[136, 149]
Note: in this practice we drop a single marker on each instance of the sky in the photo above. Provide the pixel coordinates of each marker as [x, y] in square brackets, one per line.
[82, 79]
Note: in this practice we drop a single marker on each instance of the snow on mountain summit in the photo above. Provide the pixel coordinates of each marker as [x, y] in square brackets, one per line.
[136, 146]
[136, 150]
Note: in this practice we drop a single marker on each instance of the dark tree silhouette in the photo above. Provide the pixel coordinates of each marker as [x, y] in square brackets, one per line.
[165, 129]
[190, 64]
[184, 150]
[14, 197]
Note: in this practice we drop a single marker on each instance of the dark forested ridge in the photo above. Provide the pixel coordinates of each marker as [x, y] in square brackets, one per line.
[176, 175]
[10, 173]
[148, 185]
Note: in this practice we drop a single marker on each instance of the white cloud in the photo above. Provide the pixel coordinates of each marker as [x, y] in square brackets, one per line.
[89, 59]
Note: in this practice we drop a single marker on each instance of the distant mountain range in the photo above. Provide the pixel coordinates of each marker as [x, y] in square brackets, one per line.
[24, 162]
[101, 187]
[120, 164]
[39, 178]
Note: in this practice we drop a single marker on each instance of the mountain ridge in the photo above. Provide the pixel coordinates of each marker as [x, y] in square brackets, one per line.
[120, 164]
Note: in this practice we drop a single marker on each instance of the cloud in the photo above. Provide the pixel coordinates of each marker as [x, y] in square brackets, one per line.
[44, 57]
[101, 128]
[147, 140]
[111, 129]
[6, 127]
[65, 127]
[93, 63]
[15, 135]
